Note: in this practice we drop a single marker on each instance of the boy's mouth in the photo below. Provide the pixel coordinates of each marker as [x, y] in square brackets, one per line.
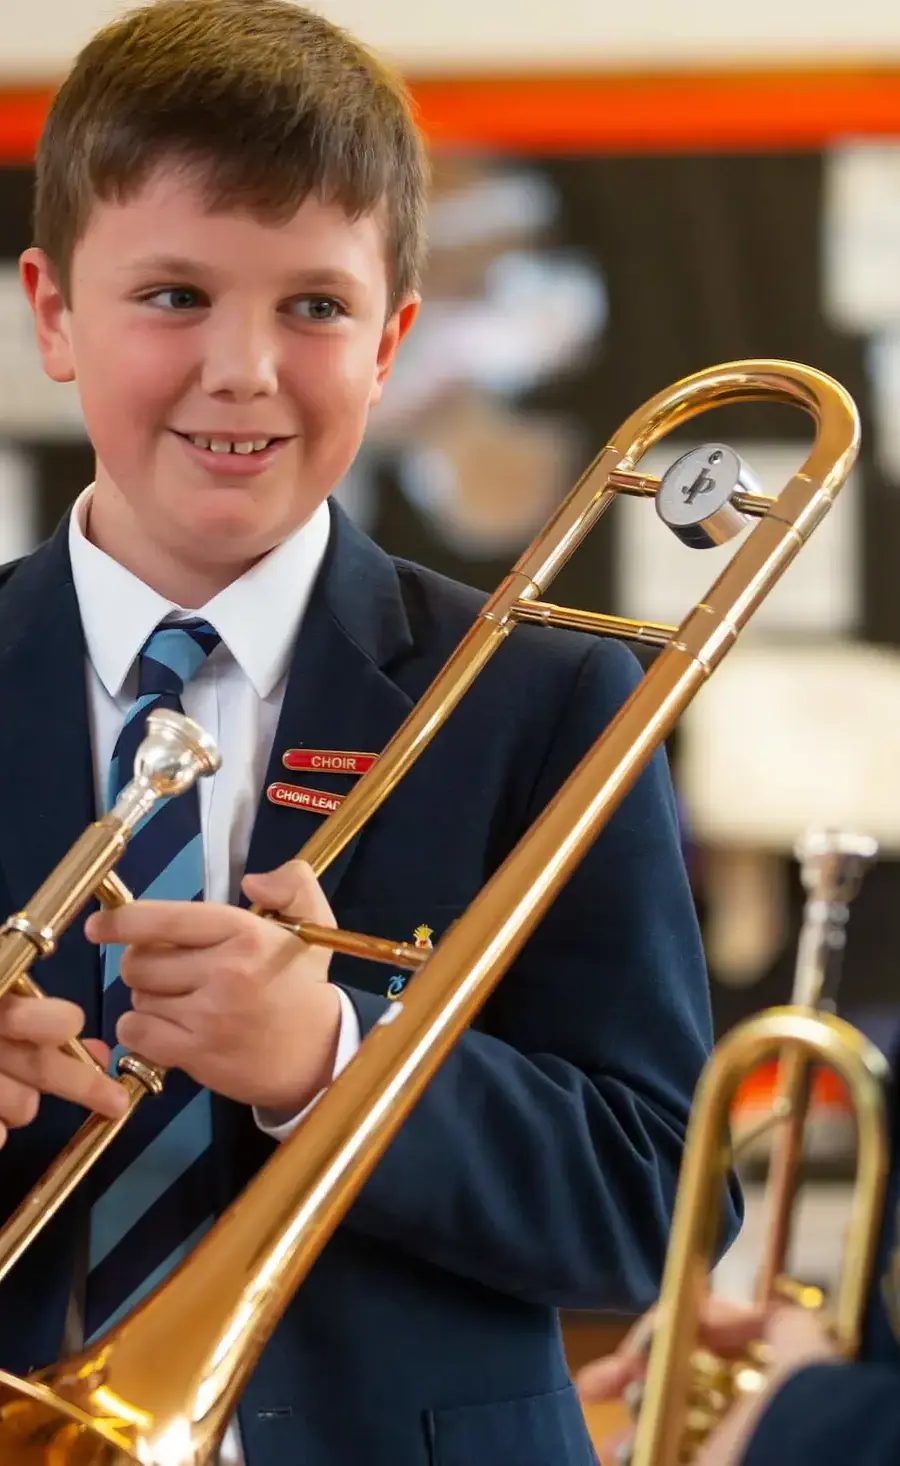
[223, 445]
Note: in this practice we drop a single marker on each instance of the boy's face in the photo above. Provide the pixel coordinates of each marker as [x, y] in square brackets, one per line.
[188, 329]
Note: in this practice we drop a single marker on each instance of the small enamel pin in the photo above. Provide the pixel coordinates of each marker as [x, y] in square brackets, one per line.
[327, 761]
[422, 939]
[294, 796]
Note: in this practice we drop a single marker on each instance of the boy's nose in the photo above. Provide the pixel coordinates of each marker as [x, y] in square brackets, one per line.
[240, 361]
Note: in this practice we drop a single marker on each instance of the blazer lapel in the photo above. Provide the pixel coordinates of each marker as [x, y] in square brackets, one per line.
[46, 775]
[338, 697]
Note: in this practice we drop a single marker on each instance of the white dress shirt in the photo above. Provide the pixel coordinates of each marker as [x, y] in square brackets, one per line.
[236, 696]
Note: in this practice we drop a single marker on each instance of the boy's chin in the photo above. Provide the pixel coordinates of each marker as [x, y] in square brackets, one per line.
[238, 529]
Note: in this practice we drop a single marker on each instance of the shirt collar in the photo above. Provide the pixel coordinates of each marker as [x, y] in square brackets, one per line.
[257, 616]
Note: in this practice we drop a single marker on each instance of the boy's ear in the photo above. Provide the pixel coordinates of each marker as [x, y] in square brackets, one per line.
[395, 329]
[51, 315]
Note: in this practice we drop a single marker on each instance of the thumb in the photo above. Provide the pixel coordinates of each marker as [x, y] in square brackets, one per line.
[292, 890]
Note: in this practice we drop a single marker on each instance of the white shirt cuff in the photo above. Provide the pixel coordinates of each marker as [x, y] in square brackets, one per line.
[349, 1039]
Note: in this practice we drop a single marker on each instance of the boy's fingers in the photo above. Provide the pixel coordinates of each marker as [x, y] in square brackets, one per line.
[40, 1020]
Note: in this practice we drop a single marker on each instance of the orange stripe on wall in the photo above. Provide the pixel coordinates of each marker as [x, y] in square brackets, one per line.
[682, 113]
[721, 111]
[22, 116]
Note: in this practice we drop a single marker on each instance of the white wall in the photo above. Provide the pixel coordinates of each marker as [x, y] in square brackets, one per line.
[39, 37]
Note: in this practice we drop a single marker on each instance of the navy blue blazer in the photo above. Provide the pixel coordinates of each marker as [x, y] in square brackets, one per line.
[848, 1414]
[539, 1170]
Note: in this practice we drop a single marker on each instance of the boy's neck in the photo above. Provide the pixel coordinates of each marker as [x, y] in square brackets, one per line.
[110, 527]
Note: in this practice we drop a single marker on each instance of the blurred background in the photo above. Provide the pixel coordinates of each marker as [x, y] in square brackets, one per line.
[622, 196]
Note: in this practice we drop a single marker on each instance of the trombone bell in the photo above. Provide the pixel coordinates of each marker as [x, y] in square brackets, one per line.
[39, 1428]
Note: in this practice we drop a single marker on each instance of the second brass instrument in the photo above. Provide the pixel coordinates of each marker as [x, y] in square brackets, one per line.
[688, 1388]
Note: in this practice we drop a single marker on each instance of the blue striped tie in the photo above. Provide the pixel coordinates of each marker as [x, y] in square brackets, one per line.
[152, 1190]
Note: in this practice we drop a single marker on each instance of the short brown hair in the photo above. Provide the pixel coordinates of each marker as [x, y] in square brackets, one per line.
[269, 101]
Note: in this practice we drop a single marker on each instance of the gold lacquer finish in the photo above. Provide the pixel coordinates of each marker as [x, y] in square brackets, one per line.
[160, 1387]
[687, 1391]
[357, 944]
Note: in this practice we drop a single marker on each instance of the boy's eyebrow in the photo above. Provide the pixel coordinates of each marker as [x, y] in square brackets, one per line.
[164, 264]
[315, 277]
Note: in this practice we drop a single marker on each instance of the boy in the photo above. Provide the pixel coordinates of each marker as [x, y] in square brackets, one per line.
[228, 226]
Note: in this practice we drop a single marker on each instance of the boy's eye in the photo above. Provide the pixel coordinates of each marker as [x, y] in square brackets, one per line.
[319, 308]
[186, 298]
[175, 297]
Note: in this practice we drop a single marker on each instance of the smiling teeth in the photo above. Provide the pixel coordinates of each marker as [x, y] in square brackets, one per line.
[228, 445]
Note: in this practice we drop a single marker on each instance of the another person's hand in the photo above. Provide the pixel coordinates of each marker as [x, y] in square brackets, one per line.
[32, 1063]
[796, 1337]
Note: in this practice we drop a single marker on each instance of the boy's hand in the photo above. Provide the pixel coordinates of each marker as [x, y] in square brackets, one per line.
[32, 1032]
[235, 1001]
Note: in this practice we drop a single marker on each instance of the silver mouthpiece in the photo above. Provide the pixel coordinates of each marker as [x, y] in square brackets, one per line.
[832, 866]
[833, 863]
[175, 753]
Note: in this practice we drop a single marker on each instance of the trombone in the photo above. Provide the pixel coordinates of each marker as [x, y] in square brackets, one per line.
[159, 1388]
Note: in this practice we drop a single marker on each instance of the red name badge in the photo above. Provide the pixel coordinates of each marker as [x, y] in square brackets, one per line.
[327, 761]
[294, 796]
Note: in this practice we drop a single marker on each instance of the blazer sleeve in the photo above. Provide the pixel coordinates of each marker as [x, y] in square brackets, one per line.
[542, 1160]
[831, 1414]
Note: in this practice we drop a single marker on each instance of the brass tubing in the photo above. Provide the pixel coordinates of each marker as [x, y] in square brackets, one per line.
[71, 1165]
[63, 895]
[544, 613]
[358, 944]
[646, 486]
[793, 1096]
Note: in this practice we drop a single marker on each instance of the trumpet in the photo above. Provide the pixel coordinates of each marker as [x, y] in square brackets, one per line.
[160, 1386]
[689, 1389]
